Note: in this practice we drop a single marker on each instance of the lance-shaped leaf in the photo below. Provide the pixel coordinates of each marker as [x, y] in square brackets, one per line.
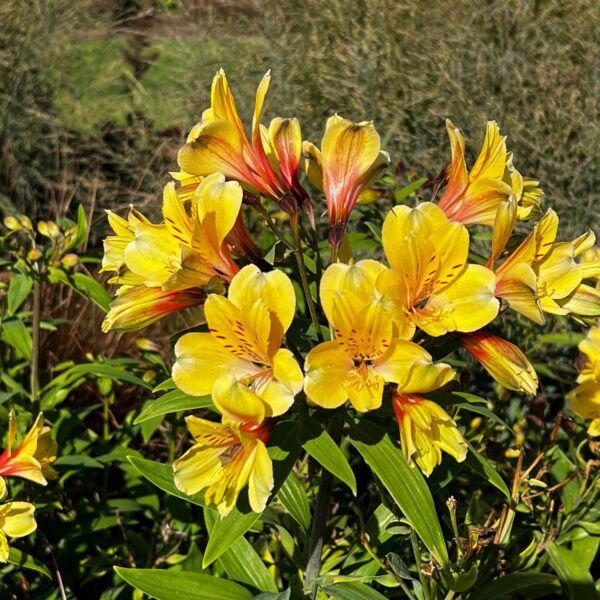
[320, 445]
[179, 585]
[404, 483]
[171, 402]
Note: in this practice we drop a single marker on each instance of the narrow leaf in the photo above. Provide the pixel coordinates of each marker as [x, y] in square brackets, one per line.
[352, 591]
[572, 573]
[241, 562]
[294, 499]
[17, 335]
[319, 444]
[171, 402]
[182, 585]
[26, 561]
[405, 484]
[481, 465]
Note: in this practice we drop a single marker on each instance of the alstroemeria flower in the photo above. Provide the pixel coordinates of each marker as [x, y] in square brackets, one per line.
[161, 267]
[32, 459]
[349, 160]
[225, 457]
[504, 361]
[430, 283]
[267, 166]
[584, 400]
[472, 197]
[240, 361]
[366, 352]
[16, 520]
[542, 275]
[426, 430]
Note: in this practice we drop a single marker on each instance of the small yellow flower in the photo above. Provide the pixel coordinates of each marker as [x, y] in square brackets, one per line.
[240, 361]
[584, 400]
[366, 352]
[32, 459]
[225, 457]
[350, 159]
[426, 430]
[12, 223]
[16, 520]
[430, 284]
[506, 363]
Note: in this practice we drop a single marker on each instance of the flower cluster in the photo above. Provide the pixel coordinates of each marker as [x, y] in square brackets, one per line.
[32, 459]
[373, 318]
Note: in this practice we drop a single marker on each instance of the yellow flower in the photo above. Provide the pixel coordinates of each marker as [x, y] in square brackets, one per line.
[584, 400]
[350, 159]
[366, 352]
[430, 283]
[32, 459]
[542, 275]
[426, 430]
[16, 520]
[240, 361]
[226, 457]
[268, 165]
[504, 361]
[472, 197]
[160, 267]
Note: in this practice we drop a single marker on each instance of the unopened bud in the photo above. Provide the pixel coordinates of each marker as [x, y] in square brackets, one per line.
[12, 223]
[25, 222]
[147, 345]
[34, 254]
[68, 261]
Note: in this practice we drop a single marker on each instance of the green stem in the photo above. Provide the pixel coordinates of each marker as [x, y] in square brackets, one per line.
[303, 277]
[35, 341]
[417, 553]
[319, 523]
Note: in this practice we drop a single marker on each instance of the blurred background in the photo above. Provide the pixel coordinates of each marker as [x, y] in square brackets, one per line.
[96, 97]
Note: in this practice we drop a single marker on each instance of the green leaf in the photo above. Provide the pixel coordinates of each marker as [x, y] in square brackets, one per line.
[16, 334]
[18, 290]
[161, 476]
[81, 461]
[405, 484]
[26, 561]
[294, 499]
[481, 465]
[485, 412]
[572, 573]
[408, 190]
[241, 562]
[83, 284]
[286, 595]
[182, 585]
[171, 402]
[319, 444]
[352, 590]
[283, 450]
[513, 583]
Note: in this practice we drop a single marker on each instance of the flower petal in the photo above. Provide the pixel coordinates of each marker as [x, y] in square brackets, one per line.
[260, 481]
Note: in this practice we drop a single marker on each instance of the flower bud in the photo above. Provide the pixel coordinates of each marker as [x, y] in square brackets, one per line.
[506, 363]
[25, 222]
[34, 254]
[68, 261]
[12, 223]
[147, 345]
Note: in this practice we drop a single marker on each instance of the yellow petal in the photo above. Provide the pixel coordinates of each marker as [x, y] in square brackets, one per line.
[16, 519]
[178, 223]
[244, 333]
[504, 224]
[313, 164]
[491, 161]
[235, 401]
[274, 289]
[558, 273]
[285, 138]
[201, 360]
[197, 468]
[518, 286]
[286, 382]
[364, 387]
[467, 304]
[590, 346]
[583, 301]
[594, 428]
[584, 400]
[411, 367]
[260, 481]
[327, 367]
[218, 205]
